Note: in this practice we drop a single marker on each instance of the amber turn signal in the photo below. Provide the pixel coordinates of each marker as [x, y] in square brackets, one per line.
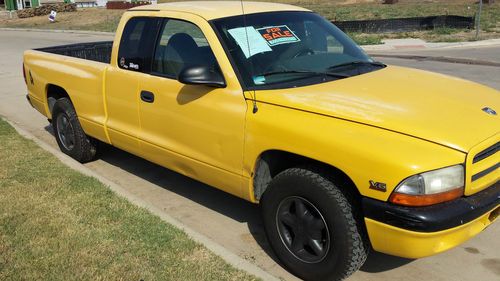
[425, 200]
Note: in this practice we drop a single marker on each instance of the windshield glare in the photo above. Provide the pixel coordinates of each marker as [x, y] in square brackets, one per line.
[289, 49]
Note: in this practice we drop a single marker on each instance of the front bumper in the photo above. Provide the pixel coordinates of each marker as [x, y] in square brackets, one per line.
[415, 232]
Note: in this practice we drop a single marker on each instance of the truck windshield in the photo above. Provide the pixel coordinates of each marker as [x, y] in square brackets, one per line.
[290, 49]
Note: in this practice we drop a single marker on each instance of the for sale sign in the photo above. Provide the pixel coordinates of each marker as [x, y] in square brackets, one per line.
[277, 35]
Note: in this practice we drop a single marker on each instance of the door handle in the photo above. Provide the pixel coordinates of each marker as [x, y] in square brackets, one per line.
[147, 97]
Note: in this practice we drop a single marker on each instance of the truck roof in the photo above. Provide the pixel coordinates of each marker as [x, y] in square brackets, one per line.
[220, 9]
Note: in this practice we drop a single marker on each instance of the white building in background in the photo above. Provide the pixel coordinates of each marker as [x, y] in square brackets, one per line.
[101, 3]
[85, 3]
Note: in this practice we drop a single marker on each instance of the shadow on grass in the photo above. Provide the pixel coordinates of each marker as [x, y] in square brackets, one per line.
[218, 201]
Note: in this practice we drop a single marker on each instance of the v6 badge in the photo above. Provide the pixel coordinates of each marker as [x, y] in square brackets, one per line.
[379, 186]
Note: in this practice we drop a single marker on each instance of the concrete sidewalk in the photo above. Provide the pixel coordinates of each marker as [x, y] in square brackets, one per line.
[486, 53]
[419, 44]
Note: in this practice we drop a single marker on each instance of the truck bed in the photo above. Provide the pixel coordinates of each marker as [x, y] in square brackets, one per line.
[77, 69]
[95, 51]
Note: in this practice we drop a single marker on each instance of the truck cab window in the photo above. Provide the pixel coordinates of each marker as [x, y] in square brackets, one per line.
[181, 44]
[137, 43]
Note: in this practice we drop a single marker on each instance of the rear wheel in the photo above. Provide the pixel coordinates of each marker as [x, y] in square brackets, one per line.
[69, 134]
[311, 225]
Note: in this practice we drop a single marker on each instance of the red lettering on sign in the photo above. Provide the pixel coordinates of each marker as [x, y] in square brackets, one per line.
[271, 34]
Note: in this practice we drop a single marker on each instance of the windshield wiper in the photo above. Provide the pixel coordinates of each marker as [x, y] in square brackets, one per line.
[312, 73]
[356, 63]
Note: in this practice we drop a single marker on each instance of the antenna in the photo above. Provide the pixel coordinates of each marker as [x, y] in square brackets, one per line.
[255, 108]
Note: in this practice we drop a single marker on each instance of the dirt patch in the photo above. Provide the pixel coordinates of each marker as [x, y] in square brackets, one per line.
[96, 19]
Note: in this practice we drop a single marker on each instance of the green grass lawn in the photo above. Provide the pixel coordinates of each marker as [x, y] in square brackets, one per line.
[57, 224]
[336, 10]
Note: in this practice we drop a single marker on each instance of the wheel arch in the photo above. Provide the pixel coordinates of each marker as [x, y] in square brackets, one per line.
[53, 93]
[271, 162]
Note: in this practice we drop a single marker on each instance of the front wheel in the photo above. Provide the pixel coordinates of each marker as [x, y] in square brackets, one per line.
[69, 134]
[313, 228]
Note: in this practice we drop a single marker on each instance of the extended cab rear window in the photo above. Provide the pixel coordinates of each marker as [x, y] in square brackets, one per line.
[137, 43]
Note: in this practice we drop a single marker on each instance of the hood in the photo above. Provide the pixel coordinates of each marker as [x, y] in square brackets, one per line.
[426, 105]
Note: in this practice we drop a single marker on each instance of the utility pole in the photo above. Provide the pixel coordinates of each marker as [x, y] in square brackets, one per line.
[478, 20]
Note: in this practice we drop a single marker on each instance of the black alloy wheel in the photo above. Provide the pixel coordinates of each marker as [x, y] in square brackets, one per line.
[303, 229]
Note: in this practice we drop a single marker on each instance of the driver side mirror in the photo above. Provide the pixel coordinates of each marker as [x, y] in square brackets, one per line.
[201, 75]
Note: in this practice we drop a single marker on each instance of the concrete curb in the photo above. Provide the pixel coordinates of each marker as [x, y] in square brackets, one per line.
[57, 31]
[216, 248]
[438, 59]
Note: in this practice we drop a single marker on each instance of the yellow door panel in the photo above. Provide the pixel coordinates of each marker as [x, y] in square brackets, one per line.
[199, 122]
[128, 64]
[204, 126]
[208, 174]
[121, 99]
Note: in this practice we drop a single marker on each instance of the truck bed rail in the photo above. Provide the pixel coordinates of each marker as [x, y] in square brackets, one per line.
[95, 51]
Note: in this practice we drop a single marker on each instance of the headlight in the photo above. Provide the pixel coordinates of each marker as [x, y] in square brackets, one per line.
[430, 188]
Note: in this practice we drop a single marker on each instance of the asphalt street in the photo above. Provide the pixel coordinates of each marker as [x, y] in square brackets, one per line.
[487, 75]
[227, 220]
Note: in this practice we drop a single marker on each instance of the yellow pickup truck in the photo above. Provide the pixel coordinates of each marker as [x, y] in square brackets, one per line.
[274, 104]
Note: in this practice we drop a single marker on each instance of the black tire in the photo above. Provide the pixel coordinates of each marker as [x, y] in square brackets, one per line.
[340, 247]
[69, 134]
